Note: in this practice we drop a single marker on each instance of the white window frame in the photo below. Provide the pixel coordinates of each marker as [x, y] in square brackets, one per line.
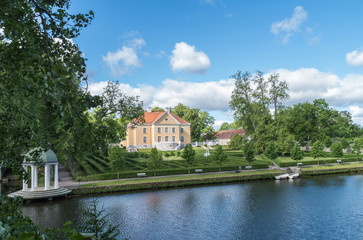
[144, 130]
[159, 129]
[181, 130]
[159, 138]
[166, 138]
[144, 139]
[173, 130]
[166, 130]
[173, 139]
[182, 138]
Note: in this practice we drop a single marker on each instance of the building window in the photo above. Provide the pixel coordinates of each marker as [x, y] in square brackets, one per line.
[173, 138]
[166, 119]
[166, 130]
[182, 138]
[145, 139]
[166, 138]
[173, 130]
[144, 130]
[182, 130]
[159, 138]
[159, 129]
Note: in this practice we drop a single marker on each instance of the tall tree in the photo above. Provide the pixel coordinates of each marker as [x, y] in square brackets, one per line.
[117, 160]
[154, 161]
[41, 72]
[357, 147]
[278, 92]
[337, 150]
[249, 152]
[188, 155]
[220, 156]
[296, 153]
[318, 150]
[271, 151]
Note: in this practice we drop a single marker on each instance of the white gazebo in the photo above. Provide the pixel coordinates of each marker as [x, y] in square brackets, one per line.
[50, 161]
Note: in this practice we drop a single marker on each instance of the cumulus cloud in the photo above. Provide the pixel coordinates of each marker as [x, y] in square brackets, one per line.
[305, 85]
[355, 58]
[287, 27]
[186, 58]
[124, 60]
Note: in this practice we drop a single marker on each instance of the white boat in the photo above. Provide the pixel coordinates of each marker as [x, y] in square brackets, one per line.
[294, 175]
[283, 176]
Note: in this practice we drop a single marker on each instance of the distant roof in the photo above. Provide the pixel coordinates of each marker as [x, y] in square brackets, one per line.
[228, 134]
[151, 117]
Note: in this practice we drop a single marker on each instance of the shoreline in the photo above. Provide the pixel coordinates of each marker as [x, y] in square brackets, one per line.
[195, 180]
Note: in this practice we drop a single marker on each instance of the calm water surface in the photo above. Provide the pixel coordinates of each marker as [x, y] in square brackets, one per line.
[324, 207]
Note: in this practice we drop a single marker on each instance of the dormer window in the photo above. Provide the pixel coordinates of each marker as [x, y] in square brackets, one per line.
[166, 119]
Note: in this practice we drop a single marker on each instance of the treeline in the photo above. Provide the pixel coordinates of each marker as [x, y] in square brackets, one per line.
[259, 110]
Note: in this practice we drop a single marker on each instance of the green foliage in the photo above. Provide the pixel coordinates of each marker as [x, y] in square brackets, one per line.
[236, 142]
[318, 150]
[249, 152]
[167, 154]
[178, 153]
[157, 109]
[296, 153]
[357, 147]
[328, 141]
[227, 126]
[336, 150]
[208, 133]
[154, 161]
[97, 222]
[345, 143]
[271, 151]
[220, 156]
[188, 155]
[117, 160]
[172, 153]
[198, 119]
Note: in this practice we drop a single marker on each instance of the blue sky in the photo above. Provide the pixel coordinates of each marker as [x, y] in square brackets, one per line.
[184, 51]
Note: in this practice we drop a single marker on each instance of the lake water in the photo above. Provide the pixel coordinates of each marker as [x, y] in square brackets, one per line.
[324, 207]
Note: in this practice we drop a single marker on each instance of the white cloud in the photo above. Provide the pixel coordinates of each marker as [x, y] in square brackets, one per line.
[136, 43]
[305, 85]
[122, 61]
[185, 58]
[355, 58]
[288, 26]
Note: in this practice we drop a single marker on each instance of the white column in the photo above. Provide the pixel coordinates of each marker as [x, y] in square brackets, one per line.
[36, 177]
[56, 185]
[46, 177]
[25, 185]
[32, 178]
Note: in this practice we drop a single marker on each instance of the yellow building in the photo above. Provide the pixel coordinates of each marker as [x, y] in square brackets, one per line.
[163, 130]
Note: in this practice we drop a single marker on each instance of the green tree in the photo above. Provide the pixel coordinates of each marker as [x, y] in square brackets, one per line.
[296, 153]
[271, 151]
[220, 156]
[97, 221]
[337, 150]
[277, 92]
[158, 109]
[198, 119]
[345, 143]
[155, 160]
[226, 126]
[249, 152]
[328, 141]
[208, 133]
[236, 142]
[317, 150]
[188, 155]
[357, 147]
[117, 160]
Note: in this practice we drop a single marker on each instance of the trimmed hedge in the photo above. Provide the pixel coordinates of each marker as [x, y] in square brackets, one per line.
[312, 162]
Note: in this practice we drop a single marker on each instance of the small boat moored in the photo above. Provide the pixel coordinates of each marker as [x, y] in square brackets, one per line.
[283, 176]
[294, 175]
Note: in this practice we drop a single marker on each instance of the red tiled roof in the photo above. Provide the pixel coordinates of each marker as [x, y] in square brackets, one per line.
[151, 117]
[229, 134]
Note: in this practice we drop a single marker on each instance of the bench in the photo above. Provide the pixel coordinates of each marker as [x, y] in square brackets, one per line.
[339, 161]
[198, 170]
[300, 164]
[248, 167]
[141, 175]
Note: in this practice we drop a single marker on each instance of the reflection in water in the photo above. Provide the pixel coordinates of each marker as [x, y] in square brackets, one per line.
[326, 207]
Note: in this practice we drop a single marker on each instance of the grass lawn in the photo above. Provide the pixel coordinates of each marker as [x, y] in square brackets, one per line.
[137, 162]
[179, 178]
[332, 167]
[307, 160]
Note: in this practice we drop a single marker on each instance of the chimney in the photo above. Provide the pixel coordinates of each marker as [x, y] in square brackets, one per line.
[167, 110]
[149, 109]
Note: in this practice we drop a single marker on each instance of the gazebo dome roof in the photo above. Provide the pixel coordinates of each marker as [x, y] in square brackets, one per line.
[46, 157]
